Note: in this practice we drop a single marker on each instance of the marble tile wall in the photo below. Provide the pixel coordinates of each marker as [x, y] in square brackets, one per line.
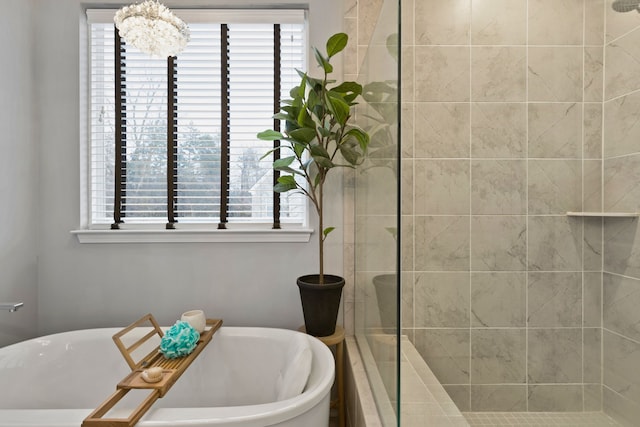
[514, 112]
[502, 135]
[621, 242]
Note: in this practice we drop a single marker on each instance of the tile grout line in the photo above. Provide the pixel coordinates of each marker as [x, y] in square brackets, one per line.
[582, 197]
[526, 278]
[470, 169]
[602, 220]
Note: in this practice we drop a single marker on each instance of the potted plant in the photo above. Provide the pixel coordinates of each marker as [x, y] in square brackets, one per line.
[318, 137]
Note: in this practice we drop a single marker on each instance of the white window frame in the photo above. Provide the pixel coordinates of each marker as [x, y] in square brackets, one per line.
[157, 233]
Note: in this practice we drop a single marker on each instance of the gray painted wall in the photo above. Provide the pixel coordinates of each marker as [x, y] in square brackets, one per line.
[18, 173]
[81, 285]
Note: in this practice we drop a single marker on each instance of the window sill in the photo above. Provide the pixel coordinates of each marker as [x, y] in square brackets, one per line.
[299, 235]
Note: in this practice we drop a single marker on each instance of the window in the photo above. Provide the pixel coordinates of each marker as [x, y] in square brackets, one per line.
[173, 141]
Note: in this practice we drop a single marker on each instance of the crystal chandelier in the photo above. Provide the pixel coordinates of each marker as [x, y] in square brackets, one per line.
[152, 28]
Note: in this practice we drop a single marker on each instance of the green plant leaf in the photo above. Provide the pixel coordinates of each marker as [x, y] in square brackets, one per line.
[321, 156]
[346, 87]
[298, 148]
[305, 164]
[290, 126]
[318, 151]
[312, 100]
[304, 134]
[270, 135]
[319, 111]
[291, 171]
[297, 103]
[323, 162]
[349, 154]
[285, 183]
[302, 117]
[291, 110]
[315, 84]
[322, 61]
[336, 43]
[268, 153]
[348, 91]
[360, 135]
[339, 108]
[283, 116]
[298, 91]
[324, 132]
[283, 163]
[327, 230]
[349, 98]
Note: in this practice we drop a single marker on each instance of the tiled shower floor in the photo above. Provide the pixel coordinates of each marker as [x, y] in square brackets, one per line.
[539, 419]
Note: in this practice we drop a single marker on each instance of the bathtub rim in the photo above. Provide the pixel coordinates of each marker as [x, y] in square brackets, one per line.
[249, 415]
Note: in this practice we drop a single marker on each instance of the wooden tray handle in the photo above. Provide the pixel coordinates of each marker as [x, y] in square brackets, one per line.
[147, 320]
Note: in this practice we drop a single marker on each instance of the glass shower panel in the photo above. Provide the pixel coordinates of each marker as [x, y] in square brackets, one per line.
[376, 207]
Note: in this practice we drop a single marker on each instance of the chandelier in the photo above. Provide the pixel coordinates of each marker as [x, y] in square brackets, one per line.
[152, 28]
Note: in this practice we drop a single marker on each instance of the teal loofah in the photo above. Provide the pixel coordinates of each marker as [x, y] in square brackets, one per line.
[179, 340]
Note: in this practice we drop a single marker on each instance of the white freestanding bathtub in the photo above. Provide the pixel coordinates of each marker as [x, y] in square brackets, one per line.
[57, 380]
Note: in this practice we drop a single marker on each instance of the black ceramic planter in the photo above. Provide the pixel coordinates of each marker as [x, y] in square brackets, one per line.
[320, 303]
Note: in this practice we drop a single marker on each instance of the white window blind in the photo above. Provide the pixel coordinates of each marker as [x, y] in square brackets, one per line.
[198, 115]
[196, 82]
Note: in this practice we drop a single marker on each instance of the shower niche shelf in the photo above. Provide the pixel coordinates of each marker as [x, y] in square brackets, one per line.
[605, 214]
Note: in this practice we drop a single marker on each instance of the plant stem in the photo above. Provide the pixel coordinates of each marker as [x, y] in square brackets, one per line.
[321, 235]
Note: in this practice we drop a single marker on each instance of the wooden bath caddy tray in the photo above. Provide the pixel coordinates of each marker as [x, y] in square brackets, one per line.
[172, 369]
